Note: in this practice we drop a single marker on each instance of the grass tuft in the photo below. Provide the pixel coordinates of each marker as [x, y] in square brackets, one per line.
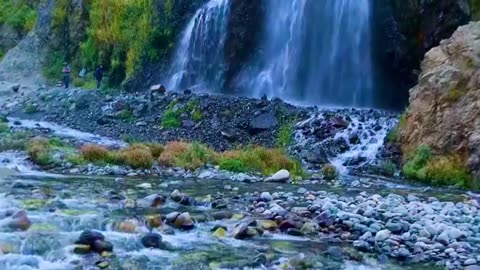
[95, 153]
[137, 157]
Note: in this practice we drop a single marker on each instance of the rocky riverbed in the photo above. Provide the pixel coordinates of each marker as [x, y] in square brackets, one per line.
[94, 215]
[351, 139]
[176, 223]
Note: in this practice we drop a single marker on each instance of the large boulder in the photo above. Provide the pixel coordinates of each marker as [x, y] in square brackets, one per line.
[243, 34]
[184, 221]
[444, 111]
[88, 237]
[16, 221]
[262, 122]
[280, 177]
[152, 240]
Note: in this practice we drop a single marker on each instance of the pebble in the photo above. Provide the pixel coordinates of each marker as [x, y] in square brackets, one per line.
[302, 190]
[470, 262]
[382, 235]
[145, 186]
[265, 196]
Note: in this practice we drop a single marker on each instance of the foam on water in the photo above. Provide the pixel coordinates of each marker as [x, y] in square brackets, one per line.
[370, 140]
[370, 129]
[62, 131]
[31, 262]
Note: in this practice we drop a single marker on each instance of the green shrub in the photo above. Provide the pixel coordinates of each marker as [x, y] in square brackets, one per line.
[39, 151]
[196, 156]
[171, 151]
[126, 114]
[53, 66]
[413, 168]
[329, 172]
[56, 142]
[95, 153]
[76, 159]
[17, 140]
[263, 160]
[171, 119]
[438, 170]
[4, 128]
[233, 165]
[197, 115]
[449, 170]
[285, 135]
[137, 157]
[388, 168]
[156, 149]
[78, 82]
[20, 15]
[30, 108]
[392, 136]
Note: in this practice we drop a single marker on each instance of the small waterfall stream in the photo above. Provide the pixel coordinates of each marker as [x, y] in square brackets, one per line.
[315, 52]
[198, 62]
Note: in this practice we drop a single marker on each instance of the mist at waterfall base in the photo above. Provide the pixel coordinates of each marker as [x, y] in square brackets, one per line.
[312, 52]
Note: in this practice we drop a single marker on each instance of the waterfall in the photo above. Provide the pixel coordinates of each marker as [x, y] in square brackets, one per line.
[315, 52]
[199, 61]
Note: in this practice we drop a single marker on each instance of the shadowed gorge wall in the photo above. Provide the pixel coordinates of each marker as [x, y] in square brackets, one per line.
[403, 32]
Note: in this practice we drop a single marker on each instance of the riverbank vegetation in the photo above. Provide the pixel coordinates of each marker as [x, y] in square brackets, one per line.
[438, 170]
[192, 156]
[52, 152]
[20, 15]
[121, 35]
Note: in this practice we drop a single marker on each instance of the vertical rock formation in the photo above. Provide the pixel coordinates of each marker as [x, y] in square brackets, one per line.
[24, 62]
[444, 111]
[245, 25]
[405, 31]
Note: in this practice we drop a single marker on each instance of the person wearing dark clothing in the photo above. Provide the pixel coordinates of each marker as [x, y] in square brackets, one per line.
[66, 74]
[99, 76]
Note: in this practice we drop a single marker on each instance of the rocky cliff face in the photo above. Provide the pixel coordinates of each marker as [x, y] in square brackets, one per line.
[243, 35]
[444, 111]
[405, 31]
[24, 62]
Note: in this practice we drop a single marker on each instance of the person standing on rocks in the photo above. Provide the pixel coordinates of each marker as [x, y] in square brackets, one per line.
[99, 75]
[66, 74]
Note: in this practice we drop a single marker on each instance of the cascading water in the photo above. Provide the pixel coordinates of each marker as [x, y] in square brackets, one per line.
[315, 52]
[345, 138]
[198, 62]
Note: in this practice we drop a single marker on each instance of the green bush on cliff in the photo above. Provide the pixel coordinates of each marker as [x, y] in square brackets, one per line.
[449, 171]
[392, 136]
[415, 166]
[120, 34]
[20, 15]
[438, 170]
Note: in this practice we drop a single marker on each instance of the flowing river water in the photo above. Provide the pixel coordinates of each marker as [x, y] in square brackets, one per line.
[60, 207]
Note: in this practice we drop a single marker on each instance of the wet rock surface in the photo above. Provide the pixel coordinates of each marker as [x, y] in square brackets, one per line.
[411, 228]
